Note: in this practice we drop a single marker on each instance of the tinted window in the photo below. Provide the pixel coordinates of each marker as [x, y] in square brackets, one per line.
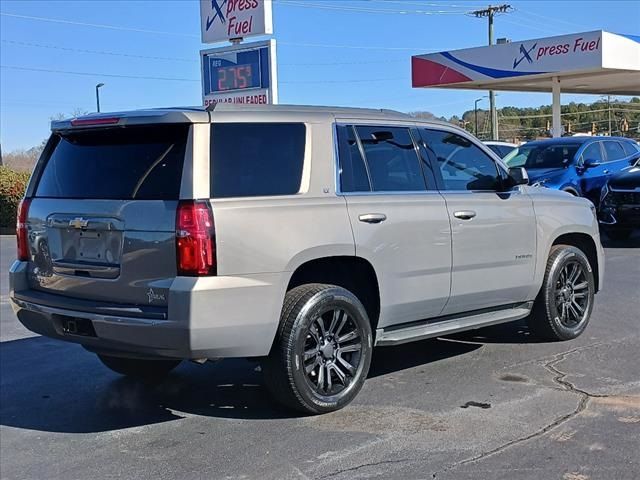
[614, 150]
[501, 150]
[250, 159]
[462, 164]
[116, 163]
[392, 159]
[353, 173]
[542, 155]
[630, 148]
[593, 152]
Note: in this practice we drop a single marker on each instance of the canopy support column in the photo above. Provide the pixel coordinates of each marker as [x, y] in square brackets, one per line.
[556, 124]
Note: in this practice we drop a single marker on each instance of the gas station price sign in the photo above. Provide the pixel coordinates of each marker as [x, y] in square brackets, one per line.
[239, 74]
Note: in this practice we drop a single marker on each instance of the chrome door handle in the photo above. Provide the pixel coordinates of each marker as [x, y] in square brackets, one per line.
[464, 214]
[606, 172]
[372, 217]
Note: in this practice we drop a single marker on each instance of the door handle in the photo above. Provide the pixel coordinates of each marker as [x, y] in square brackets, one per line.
[606, 172]
[464, 214]
[372, 217]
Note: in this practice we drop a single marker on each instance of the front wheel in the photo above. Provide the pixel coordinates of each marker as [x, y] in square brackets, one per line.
[139, 368]
[322, 352]
[564, 304]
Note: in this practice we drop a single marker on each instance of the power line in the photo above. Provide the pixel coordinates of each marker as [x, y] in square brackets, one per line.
[97, 25]
[530, 27]
[346, 8]
[360, 47]
[178, 59]
[96, 52]
[158, 32]
[97, 74]
[175, 79]
[421, 4]
[553, 19]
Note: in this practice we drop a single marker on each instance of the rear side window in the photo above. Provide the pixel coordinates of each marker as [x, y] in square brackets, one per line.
[253, 159]
[630, 148]
[614, 150]
[353, 172]
[138, 162]
[391, 158]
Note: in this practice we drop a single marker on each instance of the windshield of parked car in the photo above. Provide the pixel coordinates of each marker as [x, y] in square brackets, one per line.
[542, 155]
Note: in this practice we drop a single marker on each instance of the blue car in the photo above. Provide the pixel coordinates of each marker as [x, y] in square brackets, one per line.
[578, 165]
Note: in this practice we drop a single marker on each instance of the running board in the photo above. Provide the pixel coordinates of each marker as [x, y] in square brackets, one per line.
[397, 336]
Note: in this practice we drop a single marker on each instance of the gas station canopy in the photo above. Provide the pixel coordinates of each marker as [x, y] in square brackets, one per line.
[595, 62]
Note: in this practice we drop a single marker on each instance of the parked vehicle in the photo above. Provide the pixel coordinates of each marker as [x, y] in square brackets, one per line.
[578, 165]
[502, 149]
[303, 236]
[619, 212]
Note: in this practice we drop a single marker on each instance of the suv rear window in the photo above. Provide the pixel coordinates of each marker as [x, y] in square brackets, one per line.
[138, 162]
[252, 159]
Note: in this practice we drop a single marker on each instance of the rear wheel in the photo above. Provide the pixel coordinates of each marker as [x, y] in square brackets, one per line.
[322, 353]
[139, 368]
[563, 307]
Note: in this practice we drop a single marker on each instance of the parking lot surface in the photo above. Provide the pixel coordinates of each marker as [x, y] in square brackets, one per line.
[493, 403]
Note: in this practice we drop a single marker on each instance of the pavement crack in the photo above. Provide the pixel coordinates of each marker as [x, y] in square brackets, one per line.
[559, 378]
[364, 465]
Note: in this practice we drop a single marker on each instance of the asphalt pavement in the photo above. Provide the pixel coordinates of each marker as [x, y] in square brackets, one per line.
[490, 404]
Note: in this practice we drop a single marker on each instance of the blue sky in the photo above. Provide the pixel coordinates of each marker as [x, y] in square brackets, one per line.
[334, 56]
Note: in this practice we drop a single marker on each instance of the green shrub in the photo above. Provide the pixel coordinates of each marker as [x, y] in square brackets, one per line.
[12, 187]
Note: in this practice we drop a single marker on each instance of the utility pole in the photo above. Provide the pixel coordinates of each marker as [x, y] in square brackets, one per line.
[475, 115]
[609, 112]
[490, 12]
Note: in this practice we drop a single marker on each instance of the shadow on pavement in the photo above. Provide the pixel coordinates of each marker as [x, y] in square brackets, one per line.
[48, 385]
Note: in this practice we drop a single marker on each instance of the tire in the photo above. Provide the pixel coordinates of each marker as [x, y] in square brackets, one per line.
[139, 368]
[322, 351]
[618, 234]
[561, 311]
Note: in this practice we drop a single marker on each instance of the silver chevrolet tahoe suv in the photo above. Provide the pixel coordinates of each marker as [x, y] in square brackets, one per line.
[302, 236]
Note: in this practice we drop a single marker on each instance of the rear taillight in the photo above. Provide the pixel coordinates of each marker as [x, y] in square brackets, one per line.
[21, 230]
[195, 239]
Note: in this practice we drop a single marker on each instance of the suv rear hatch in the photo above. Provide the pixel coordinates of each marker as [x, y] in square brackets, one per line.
[101, 219]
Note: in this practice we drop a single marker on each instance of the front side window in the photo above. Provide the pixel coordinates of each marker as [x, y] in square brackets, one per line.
[391, 158]
[254, 159]
[462, 164]
[613, 150]
[593, 152]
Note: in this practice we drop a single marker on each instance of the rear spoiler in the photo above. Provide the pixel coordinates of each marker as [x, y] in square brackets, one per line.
[135, 117]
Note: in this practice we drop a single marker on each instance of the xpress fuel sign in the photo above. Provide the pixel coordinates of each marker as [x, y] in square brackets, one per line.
[223, 20]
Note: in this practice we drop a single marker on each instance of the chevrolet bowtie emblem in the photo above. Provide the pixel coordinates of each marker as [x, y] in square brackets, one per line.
[78, 222]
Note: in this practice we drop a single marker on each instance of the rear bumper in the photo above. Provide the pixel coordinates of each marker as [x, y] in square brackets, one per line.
[208, 317]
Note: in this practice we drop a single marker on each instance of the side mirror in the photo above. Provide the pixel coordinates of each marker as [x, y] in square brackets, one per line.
[590, 163]
[519, 176]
